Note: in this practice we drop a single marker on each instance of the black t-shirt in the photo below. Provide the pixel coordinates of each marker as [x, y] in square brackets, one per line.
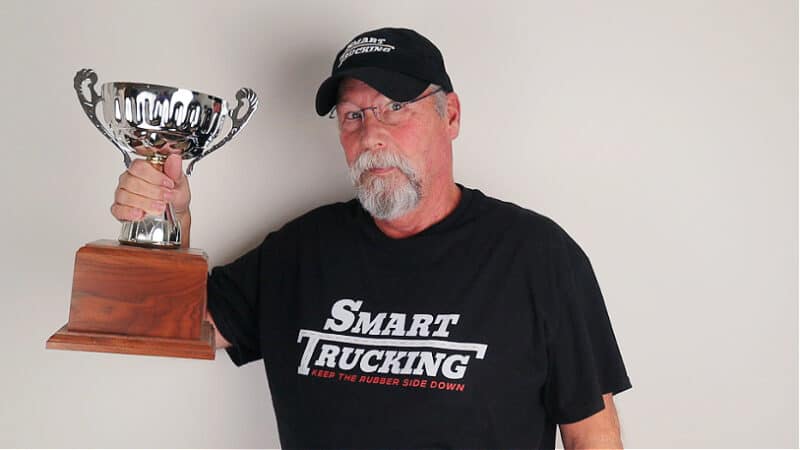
[485, 330]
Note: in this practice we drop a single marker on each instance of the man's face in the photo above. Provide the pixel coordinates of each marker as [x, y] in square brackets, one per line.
[394, 166]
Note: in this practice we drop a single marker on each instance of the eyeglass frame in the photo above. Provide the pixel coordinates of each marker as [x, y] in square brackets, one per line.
[375, 109]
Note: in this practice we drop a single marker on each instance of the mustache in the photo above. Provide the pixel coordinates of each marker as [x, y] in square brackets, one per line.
[384, 159]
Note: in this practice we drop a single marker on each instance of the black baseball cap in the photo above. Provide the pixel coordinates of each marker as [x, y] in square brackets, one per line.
[397, 62]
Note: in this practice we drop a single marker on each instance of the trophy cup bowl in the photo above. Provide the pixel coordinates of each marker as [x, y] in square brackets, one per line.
[153, 122]
[152, 300]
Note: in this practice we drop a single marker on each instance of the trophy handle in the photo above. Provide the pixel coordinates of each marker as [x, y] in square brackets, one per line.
[244, 96]
[90, 105]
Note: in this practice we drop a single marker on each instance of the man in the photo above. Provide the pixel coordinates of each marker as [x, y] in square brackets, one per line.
[424, 314]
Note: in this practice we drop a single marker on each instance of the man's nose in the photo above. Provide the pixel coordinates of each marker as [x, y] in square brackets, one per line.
[372, 131]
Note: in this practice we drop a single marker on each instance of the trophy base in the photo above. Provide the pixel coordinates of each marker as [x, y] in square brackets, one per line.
[133, 300]
[202, 348]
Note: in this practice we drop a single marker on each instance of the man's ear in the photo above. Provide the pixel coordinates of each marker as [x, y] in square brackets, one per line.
[453, 115]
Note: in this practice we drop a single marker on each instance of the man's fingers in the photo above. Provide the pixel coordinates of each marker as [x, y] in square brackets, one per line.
[142, 169]
[144, 190]
[148, 205]
[141, 187]
[122, 213]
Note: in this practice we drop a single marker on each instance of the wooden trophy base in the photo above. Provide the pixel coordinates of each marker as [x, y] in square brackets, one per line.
[139, 301]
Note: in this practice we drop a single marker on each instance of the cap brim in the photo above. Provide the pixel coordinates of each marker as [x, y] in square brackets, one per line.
[393, 85]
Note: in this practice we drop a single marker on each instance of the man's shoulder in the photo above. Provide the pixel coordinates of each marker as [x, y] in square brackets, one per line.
[330, 214]
[320, 222]
[518, 219]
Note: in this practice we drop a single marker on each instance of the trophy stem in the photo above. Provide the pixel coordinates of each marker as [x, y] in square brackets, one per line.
[156, 231]
[157, 160]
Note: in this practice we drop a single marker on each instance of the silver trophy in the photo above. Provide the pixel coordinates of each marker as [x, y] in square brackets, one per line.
[157, 121]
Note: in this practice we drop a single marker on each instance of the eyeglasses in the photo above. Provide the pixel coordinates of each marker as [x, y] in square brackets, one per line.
[392, 113]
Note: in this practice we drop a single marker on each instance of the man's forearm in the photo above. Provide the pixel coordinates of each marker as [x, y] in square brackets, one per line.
[596, 441]
[186, 224]
[185, 219]
[600, 430]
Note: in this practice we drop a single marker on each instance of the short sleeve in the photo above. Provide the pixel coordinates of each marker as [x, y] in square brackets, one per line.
[584, 360]
[233, 304]
[235, 293]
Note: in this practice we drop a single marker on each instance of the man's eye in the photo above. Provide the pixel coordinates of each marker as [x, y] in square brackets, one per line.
[395, 106]
[353, 115]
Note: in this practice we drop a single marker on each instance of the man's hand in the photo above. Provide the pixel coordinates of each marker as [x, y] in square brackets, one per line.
[600, 430]
[144, 190]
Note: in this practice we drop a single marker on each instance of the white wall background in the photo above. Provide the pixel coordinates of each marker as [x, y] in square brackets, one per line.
[662, 135]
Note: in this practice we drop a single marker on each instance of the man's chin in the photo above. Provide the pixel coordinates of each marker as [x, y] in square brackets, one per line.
[387, 197]
[388, 178]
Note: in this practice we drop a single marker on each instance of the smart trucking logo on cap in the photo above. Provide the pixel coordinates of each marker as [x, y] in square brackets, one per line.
[363, 45]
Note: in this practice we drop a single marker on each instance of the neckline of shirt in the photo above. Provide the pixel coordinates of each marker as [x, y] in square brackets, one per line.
[376, 236]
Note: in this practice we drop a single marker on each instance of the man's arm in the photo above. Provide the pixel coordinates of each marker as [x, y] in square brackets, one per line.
[142, 189]
[600, 430]
[185, 219]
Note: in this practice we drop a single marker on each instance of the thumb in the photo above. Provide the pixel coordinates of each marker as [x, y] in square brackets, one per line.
[173, 168]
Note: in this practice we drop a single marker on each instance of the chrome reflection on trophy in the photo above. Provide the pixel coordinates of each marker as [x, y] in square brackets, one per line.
[154, 122]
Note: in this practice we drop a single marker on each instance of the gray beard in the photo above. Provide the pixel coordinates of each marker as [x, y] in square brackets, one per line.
[385, 197]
